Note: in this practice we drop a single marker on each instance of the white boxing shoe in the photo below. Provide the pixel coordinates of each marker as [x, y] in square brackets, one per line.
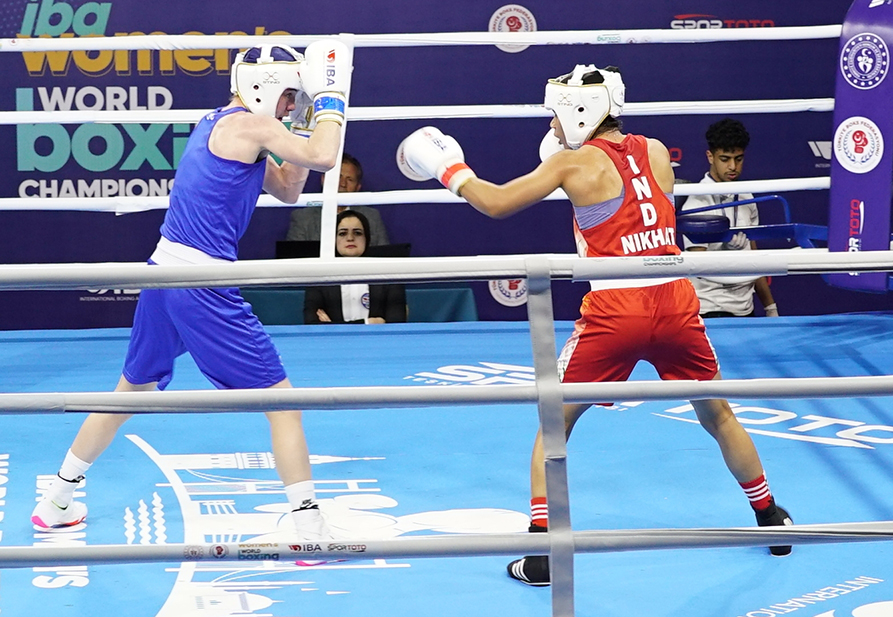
[312, 528]
[47, 516]
[310, 524]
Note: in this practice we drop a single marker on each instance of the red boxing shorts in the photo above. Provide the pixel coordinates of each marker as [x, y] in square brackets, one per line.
[619, 327]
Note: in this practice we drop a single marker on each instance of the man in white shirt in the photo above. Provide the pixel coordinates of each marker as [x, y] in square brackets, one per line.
[721, 296]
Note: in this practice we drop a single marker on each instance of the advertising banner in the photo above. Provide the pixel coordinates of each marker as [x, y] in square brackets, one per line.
[862, 166]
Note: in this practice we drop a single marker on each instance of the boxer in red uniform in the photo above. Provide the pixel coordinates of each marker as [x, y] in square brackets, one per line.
[621, 190]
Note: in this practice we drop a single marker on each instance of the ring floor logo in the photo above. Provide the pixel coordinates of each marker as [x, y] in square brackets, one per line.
[229, 497]
[778, 423]
[783, 424]
[806, 603]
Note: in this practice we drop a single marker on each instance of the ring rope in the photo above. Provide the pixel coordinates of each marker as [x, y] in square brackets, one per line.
[381, 397]
[602, 541]
[330, 271]
[178, 42]
[139, 203]
[189, 116]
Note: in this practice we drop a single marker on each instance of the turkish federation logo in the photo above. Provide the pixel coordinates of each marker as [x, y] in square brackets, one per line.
[864, 61]
[858, 145]
[512, 18]
[509, 292]
[219, 551]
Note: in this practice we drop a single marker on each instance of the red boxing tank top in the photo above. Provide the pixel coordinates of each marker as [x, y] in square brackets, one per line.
[641, 221]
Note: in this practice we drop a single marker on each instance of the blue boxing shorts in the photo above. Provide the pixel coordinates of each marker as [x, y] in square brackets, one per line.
[216, 326]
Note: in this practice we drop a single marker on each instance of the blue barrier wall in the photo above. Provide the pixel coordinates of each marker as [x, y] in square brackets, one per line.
[100, 159]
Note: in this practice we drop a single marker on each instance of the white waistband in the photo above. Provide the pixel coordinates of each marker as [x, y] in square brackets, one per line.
[168, 253]
[623, 283]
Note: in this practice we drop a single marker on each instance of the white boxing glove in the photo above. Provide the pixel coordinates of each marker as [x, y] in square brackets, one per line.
[771, 310]
[550, 145]
[325, 75]
[428, 153]
[738, 241]
[301, 117]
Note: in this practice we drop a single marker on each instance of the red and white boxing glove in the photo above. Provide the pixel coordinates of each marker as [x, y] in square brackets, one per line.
[325, 75]
[427, 153]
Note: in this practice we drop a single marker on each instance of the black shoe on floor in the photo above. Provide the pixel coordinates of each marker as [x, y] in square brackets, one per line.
[775, 516]
[532, 571]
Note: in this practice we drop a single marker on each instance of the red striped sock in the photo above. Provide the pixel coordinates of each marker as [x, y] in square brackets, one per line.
[757, 491]
[539, 512]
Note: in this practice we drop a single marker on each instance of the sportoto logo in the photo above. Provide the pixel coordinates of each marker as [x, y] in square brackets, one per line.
[698, 21]
[864, 61]
[509, 292]
[858, 145]
[512, 18]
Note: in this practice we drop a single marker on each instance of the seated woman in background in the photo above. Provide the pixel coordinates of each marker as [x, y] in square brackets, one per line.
[356, 303]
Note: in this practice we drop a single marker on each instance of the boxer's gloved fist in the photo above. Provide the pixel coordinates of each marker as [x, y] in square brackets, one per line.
[738, 241]
[301, 117]
[428, 153]
[325, 75]
[550, 145]
[771, 310]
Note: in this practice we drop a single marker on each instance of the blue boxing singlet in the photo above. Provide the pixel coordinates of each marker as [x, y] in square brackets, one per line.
[213, 198]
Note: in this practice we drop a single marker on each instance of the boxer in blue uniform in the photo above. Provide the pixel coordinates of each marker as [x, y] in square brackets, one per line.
[224, 168]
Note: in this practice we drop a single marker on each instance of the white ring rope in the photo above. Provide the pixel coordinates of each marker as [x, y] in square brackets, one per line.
[128, 204]
[449, 545]
[389, 397]
[319, 271]
[566, 37]
[191, 116]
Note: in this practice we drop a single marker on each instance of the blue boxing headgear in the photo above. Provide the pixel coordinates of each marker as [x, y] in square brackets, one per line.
[583, 98]
[261, 74]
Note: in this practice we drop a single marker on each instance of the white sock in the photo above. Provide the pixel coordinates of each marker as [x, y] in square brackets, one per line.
[300, 494]
[70, 474]
[72, 467]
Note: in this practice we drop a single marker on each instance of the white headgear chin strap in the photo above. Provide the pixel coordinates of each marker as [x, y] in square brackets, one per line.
[581, 106]
[261, 74]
